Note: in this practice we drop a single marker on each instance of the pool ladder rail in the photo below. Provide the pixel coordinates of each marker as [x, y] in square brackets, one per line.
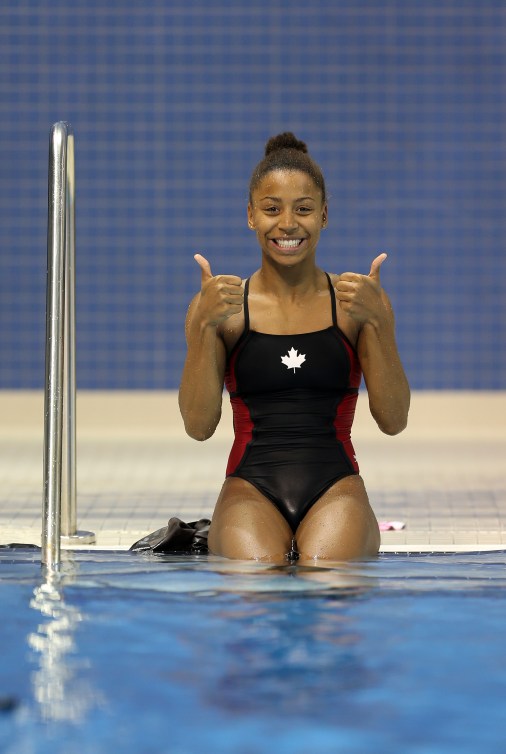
[59, 495]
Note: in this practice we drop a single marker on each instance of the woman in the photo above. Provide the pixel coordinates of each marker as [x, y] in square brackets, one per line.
[291, 343]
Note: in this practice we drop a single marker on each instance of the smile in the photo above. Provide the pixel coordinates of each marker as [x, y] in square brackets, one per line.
[287, 243]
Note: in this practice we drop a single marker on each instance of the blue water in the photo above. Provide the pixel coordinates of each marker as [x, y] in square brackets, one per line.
[131, 653]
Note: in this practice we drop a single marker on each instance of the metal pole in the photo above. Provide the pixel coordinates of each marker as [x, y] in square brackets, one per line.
[68, 510]
[53, 400]
[60, 396]
[69, 532]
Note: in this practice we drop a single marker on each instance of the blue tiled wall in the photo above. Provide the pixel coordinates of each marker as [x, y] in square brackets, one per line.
[402, 102]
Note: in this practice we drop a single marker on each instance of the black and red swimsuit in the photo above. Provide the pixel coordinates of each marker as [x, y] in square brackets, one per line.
[293, 398]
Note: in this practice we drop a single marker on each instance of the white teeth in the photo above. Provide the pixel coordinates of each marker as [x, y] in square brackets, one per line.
[288, 243]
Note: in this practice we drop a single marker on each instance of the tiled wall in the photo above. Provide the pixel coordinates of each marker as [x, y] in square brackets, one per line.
[402, 103]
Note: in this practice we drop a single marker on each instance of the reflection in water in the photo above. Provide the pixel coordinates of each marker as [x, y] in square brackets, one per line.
[293, 654]
[271, 640]
[57, 688]
[291, 657]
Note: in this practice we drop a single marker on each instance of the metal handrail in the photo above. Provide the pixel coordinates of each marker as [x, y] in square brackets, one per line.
[60, 383]
[69, 494]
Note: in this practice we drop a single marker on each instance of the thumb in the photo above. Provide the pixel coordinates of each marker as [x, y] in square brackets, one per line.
[205, 267]
[375, 267]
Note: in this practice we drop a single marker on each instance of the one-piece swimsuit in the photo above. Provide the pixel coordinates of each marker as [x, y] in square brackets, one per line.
[293, 399]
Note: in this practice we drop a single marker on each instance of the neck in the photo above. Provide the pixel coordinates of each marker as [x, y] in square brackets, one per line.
[293, 281]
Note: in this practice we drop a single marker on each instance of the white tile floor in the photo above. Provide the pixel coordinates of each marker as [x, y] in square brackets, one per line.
[445, 476]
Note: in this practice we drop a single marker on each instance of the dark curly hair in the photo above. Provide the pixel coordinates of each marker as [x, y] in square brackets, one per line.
[286, 152]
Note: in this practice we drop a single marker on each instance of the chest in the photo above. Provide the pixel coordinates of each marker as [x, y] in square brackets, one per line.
[321, 361]
[269, 314]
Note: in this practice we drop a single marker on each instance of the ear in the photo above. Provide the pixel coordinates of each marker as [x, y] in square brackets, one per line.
[325, 215]
[251, 224]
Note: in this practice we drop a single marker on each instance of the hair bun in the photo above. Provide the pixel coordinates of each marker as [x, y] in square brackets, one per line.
[285, 140]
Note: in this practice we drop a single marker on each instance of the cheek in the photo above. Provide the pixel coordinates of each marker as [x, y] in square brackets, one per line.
[316, 228]
[263, 224]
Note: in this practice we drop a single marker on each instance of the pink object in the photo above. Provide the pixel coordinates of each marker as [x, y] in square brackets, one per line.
[392, 525]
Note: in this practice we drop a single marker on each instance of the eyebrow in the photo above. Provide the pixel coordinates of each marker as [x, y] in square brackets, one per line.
[277, 199]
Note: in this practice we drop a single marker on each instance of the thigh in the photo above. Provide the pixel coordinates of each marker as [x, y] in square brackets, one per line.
[341, 525]
[247, 526]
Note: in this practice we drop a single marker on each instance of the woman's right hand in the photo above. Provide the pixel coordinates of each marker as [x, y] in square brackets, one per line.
[221, 296]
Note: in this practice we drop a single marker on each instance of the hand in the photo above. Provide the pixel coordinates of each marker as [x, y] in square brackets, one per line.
[221, 296]
[361, 296]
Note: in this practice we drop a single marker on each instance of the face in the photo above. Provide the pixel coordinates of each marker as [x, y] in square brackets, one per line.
[287, 214]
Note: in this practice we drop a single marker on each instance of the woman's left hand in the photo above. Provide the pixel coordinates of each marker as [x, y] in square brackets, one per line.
[361, 296]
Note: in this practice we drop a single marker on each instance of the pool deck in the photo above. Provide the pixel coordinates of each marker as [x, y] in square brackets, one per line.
[444, 477]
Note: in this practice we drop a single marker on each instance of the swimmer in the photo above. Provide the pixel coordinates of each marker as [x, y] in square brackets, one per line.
[291, 344]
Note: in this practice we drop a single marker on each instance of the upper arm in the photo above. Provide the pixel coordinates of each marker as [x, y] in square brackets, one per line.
[221, 357]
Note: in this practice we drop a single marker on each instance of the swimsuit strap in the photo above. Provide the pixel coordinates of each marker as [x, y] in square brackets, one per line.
[246, 307]
[332, 300]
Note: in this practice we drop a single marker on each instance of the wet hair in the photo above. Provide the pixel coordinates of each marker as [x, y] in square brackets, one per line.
[286, 152]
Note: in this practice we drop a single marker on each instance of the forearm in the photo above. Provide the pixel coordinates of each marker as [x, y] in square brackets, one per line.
[386, 381]
[201, 390]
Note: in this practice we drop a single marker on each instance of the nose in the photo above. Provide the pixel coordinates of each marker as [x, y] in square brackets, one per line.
[288, 222]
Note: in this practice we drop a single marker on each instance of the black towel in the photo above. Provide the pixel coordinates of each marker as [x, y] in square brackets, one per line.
[177, 537]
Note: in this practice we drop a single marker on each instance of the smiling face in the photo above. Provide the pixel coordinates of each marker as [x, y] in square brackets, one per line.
[287, 213]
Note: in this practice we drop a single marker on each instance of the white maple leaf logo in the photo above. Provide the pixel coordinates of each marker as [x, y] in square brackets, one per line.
[293, 359]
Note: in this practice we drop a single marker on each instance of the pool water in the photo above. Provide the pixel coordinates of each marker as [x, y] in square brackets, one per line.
[123, 652]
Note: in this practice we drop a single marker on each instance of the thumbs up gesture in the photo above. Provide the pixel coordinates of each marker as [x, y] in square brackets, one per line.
[374, 272]
[221, 296]
[361, 296]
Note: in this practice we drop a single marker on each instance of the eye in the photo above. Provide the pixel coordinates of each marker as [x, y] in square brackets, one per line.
[271, 210]
[304, 210]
